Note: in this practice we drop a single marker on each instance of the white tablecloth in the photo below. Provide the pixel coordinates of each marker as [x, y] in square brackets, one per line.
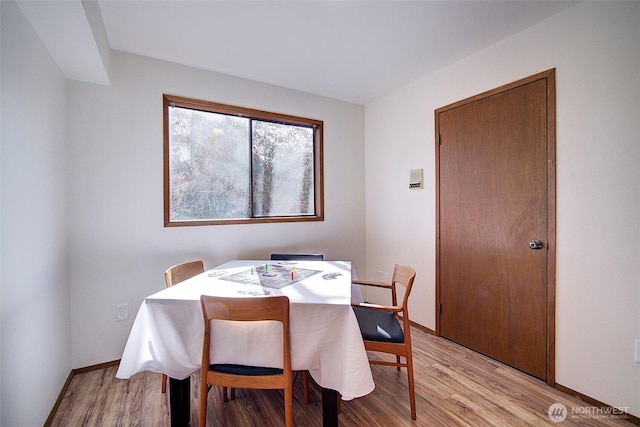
[166, 336]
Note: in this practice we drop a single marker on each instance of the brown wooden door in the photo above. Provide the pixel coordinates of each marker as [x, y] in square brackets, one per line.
[495, 193]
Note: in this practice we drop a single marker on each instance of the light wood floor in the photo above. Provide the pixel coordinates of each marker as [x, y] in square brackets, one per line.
[454, 387]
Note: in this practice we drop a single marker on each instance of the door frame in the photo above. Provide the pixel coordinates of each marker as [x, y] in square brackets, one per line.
[549, 76]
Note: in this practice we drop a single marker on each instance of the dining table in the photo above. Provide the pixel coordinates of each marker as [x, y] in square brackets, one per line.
[167, 333]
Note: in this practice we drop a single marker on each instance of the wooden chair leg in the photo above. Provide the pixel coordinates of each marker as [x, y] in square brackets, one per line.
[228, 396]
[164, 383]
[411, 384]
[202, 410]
[305, 386]
[288, 406]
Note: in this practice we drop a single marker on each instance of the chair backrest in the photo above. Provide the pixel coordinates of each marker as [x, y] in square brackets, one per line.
[181, 272]
[405, 276]
[297, 257]
[246, 310]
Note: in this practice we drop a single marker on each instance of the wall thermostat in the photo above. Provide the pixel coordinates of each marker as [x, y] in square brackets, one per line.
[415, 178]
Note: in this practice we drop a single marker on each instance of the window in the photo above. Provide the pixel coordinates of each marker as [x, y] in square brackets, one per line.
[230, 165]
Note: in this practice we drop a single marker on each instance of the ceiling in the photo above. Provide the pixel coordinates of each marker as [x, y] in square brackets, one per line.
[355, 51]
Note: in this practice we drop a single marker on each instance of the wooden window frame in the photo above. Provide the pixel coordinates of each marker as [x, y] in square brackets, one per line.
[213, 107]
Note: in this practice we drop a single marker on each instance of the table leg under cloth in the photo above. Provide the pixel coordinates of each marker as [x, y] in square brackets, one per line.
[180, 401]
[180, 404]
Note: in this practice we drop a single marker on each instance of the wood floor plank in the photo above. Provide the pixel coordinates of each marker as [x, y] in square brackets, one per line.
[454, 387]
[476, 413]
[472, 389]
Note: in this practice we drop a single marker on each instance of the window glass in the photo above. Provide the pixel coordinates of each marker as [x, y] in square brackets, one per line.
[282, 169]
[208, 165]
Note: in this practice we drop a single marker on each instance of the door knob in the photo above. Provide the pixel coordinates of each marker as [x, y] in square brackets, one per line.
[536, 244]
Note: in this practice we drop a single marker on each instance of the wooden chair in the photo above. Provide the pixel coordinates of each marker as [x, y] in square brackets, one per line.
[381, 325]
[176, 274]
[241, 376]
[181, 272]
[300, 257]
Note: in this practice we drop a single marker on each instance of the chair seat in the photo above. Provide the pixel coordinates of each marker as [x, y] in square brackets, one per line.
[378, 325]
[244, 370]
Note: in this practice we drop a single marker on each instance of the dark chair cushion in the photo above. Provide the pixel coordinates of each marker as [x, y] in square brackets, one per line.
[378, 325]
[244, 370]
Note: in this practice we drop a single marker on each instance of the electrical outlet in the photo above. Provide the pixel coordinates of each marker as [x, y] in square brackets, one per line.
[122, 312]
[638, 351]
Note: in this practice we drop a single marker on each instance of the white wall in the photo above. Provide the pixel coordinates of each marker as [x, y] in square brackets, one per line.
[119, 247]
[35, 309]
[594, 48]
